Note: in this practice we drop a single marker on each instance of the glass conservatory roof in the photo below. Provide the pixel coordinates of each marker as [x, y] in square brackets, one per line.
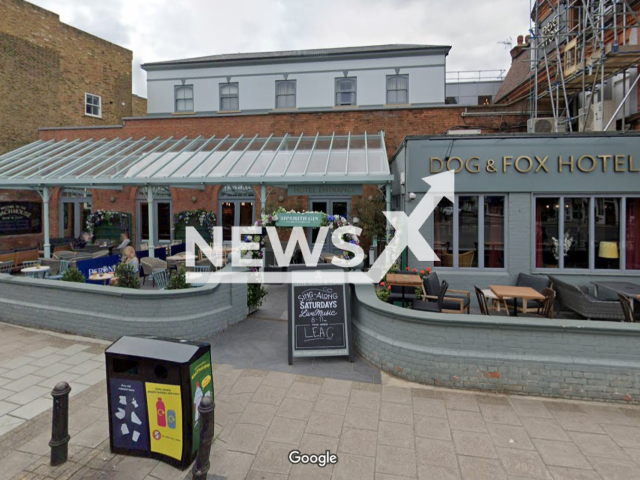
[289, 159]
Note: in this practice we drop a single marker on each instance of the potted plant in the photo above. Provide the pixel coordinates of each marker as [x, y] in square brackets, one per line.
[72, 274]
[127, 276]
[178, 280]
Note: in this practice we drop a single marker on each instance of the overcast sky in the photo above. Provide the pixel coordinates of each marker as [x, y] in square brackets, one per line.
[171, 29]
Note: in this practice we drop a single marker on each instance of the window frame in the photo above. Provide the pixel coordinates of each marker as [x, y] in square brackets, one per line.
[481, 226]
[592, 270]
[389, 77]
[175, 98]
[294, 95]
[221, 96]
[99, 106]
[485, 97]
[355, 92]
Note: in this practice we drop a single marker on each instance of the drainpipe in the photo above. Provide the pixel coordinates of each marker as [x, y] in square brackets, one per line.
[151, 246]
[45, 201]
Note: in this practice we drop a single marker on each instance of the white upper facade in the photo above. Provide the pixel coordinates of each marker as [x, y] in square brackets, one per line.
[385, 76]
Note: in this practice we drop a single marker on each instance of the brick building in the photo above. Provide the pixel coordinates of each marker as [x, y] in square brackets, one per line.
[52, 74]
[198, 110]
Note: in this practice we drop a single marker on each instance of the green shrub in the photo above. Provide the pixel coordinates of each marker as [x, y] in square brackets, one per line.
[255, 293]
[73, 275]
[383, 294]
[127, 276]
[178, 280]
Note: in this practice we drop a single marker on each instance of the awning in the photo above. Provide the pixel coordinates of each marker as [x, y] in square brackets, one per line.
[287, 160]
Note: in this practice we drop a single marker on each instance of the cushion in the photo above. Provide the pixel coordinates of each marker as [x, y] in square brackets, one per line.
[425, 306]
[453, 305]
[537, 283]
[432, 284]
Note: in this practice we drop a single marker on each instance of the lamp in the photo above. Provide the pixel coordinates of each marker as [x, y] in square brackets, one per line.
[608, 250]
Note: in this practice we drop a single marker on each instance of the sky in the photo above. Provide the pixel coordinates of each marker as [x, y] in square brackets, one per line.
[158, 30]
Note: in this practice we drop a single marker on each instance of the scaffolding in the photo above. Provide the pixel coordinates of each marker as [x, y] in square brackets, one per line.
[577, 46]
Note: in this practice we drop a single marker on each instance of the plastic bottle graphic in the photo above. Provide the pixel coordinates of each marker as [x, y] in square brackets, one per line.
[171, 417]
[197, 398]
[162, 418]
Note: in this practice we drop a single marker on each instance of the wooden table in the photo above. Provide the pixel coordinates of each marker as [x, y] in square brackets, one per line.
[402, 280]
[105, 277]
[504, 292]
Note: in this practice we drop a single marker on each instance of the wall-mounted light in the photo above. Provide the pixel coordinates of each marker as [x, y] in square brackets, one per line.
[194, 199]
[412, 196]
[113, 199]
[281, 198]
[356, 220]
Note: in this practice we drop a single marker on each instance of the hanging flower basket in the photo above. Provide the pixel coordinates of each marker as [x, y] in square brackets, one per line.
[108, 218]
[203, 220]
[331, 221]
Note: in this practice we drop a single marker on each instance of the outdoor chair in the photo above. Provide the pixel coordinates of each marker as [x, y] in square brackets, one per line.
[6, 267]
[538, 284]
[546, 308]
[160, 279]
[627, 309]
[151, 265]
[64, 255]
[63, 266]
[456, 301]
[30, 263]
[436, 306]
[580, 301]
[482, 301]
[100, 253]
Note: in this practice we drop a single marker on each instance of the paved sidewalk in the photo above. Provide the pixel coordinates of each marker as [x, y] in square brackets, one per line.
[382, 432]
[32, 362]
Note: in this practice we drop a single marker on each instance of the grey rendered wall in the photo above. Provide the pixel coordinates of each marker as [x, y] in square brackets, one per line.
[555, 358]
[468, 92]
[315, 83]
[110, 312]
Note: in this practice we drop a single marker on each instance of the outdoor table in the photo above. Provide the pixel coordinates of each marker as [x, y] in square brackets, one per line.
[631, 290]
[35, 272]
[174, 260]
[495, 301]
[327, 257]
[105, 277]
[402, 280]
[505, 292]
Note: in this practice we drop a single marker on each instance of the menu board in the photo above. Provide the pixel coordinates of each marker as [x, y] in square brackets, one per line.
[319, 323]
[18, 218]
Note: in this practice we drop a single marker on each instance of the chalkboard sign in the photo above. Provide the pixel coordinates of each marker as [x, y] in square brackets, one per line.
[17, 218]
[319, 319]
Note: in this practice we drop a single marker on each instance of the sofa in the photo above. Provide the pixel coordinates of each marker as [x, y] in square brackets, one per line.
[578, 299]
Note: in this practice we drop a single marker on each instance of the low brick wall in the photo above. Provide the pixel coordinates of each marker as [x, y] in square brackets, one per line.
[110, 312]
[529, 356]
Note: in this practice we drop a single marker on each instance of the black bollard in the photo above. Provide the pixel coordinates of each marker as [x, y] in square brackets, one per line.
[201, 466]
[60, 427]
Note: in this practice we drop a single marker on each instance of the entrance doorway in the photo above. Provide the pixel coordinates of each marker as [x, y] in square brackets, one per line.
[340, 207]
[75, 209]
[236, 208]
[162, 215]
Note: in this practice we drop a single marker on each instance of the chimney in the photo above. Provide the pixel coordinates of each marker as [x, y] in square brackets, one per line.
[515, 51]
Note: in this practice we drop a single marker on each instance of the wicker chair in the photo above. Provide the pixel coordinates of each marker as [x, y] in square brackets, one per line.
[625, 303]
[151, 265]
[580, 301]
[65, 255]
[160, 279]
[100, 253]
[63, 266]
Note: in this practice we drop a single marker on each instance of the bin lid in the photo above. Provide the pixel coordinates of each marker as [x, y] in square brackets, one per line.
[166, 349]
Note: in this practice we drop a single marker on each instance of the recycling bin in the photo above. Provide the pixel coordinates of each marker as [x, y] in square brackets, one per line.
[154, 388]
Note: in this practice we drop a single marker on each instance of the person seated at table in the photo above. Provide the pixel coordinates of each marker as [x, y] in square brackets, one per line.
[81, 242]
[129, 258]
[124, 241]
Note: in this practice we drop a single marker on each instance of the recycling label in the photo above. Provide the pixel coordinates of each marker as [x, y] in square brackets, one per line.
[165, 419]
[129, 426]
